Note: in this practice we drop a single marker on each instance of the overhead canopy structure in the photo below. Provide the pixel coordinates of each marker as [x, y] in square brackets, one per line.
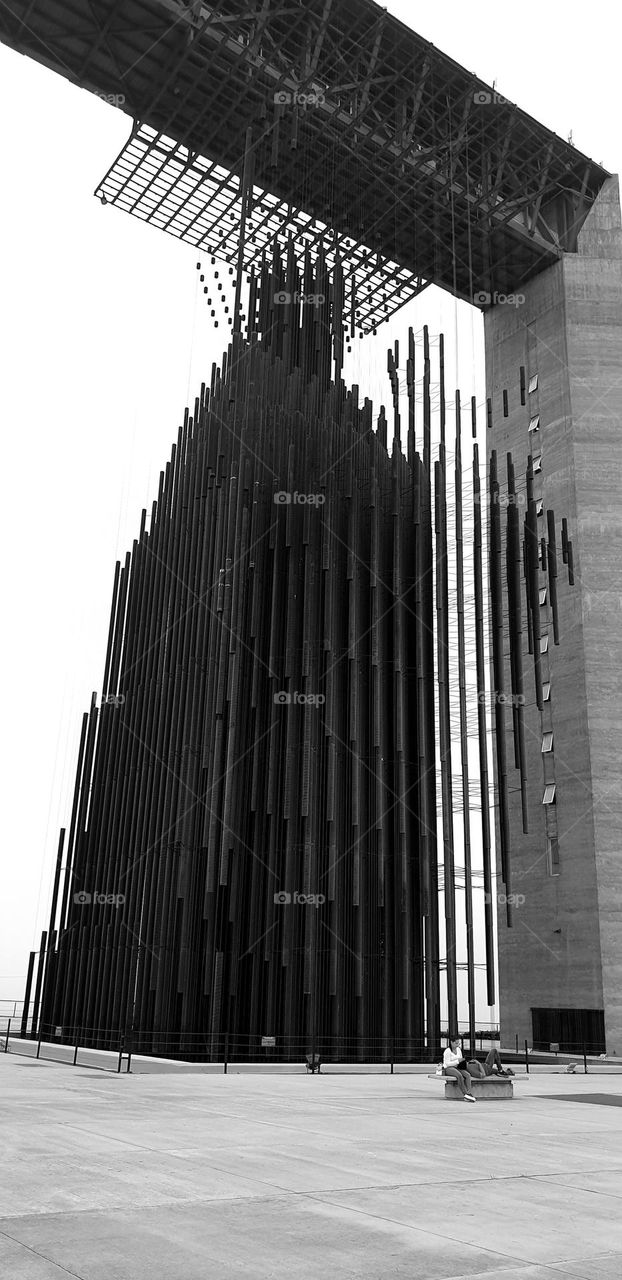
[357, 133]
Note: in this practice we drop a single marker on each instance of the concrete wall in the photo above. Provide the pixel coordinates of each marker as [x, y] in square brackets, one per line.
[565, 949]
[593, 288]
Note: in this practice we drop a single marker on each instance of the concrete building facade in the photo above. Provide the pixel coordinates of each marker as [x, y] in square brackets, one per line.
[560, 965]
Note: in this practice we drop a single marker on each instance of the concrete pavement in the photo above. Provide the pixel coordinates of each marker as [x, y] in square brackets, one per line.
[194, 1177]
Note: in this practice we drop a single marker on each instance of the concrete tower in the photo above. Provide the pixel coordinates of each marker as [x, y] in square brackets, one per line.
[560, 965]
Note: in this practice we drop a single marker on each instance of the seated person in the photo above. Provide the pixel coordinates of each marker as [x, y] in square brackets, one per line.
[492, 1063]
[456, 1068]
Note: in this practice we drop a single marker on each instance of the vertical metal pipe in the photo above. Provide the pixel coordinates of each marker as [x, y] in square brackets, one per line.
[552, 573]
[35, 1004]
[533, 589]
[513, 562]
[464, 742]
[427, 415]
[482, 726]
[31, 964]
[442, 617]
[245, 193]
[50, 966]
[496, 600]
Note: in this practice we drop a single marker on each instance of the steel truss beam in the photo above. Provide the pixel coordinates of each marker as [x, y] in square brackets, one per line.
[404, 153]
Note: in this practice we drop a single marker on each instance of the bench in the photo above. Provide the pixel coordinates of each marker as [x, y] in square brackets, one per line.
[488, 1087]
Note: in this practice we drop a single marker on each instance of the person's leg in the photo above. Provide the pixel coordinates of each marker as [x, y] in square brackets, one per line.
[454, 1074]
[466, 1075]
[493, 1061]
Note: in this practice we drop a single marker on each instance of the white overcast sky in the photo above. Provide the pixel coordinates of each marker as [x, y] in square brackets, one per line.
[105, 337]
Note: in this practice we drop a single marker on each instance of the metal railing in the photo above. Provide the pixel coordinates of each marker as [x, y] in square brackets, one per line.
[229, 1049]
[11, 1008]
[86, 1041]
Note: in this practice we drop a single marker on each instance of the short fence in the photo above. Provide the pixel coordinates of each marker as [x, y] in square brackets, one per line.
[193, 1046]
[230, 1049]
[11, 1009]
[116, 1045]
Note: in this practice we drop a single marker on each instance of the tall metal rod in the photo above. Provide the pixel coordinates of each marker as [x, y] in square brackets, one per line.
[482, 736]
[513, 564]
[552, 573]
[532, 579]
[51, 956]
[464, 741]
[38, 984]
[26, 1010]
[496, 621]
[442, 614]
[245, 197]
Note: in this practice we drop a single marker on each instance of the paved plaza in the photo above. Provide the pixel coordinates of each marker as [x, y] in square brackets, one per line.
[293, 1177]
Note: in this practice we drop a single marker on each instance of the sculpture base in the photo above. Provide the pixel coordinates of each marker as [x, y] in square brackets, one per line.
[491, 1087]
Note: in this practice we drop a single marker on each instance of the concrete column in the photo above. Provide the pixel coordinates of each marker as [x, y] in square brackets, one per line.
[565, 949]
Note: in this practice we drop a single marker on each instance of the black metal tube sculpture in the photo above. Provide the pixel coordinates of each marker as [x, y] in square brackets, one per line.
[253, 843]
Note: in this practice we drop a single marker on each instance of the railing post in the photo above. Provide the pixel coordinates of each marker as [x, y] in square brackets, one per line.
[226, 1057]
[6, 1043]
[516, 1041]
[39, 1047]
[392, 1053]
[584, 1060]
[75, 1052]
[526, 1059]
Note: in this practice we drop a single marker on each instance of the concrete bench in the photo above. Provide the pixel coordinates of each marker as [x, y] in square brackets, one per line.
[488, 1087]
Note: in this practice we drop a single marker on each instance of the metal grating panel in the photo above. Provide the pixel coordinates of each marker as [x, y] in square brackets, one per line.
[198, 201]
